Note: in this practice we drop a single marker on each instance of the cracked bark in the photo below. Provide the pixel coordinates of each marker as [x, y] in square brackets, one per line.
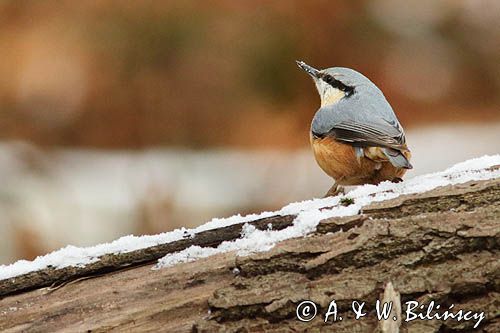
[441, 245]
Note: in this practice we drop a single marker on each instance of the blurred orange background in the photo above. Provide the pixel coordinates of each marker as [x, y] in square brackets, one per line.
[122, 117]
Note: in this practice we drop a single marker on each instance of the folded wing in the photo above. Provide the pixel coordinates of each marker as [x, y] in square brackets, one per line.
[362, 130]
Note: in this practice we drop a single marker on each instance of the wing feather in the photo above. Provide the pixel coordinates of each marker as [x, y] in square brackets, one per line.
[369, 135]
[364, 119]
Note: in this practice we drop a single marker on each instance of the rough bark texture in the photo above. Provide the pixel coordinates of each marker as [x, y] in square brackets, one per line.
[442, 245]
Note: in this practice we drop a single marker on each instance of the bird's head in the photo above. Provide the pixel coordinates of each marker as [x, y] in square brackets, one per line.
[335, 83]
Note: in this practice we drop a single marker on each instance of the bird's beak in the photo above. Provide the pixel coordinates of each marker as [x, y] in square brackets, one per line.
[309, 70]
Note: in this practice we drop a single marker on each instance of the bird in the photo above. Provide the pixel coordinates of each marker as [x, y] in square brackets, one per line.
[355, 135]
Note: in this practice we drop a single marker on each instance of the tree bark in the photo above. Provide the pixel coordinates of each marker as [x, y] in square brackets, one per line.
[442, 245]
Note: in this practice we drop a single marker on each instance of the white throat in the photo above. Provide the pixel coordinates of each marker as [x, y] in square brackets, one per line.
[328, 94]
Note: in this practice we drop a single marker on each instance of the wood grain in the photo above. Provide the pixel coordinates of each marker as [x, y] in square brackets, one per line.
[441, 245]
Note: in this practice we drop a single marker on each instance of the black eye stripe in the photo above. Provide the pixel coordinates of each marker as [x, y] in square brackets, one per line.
[337, 84]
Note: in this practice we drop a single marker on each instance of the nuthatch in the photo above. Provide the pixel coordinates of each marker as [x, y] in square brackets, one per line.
[355, 135]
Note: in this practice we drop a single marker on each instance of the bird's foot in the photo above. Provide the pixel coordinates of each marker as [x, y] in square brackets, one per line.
[397, 180]
[334, 190]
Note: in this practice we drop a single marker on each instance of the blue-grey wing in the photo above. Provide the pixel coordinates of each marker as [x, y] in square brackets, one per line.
[360, 124]
[381, 134]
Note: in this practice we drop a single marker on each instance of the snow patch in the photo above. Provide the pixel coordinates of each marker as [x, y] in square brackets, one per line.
[309, 213]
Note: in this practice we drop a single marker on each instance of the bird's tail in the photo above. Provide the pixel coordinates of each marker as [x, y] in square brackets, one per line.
[397, 158]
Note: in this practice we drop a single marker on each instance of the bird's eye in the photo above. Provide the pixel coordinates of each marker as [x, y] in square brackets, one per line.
[349, 91]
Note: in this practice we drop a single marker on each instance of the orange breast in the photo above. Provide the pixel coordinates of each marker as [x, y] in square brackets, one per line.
[338, 160]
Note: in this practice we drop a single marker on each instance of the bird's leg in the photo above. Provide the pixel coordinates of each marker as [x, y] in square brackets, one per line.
[397, 180]
[334, 190]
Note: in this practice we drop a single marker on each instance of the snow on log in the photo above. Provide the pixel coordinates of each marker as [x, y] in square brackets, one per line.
[430, 238]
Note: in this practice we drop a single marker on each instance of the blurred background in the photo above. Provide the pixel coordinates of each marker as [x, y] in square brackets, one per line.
[121, 117]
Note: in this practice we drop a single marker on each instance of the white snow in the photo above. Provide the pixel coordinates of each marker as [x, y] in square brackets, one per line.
[61, 196]
[309, 213]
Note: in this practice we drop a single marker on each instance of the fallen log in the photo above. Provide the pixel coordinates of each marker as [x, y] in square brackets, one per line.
[441, 246]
